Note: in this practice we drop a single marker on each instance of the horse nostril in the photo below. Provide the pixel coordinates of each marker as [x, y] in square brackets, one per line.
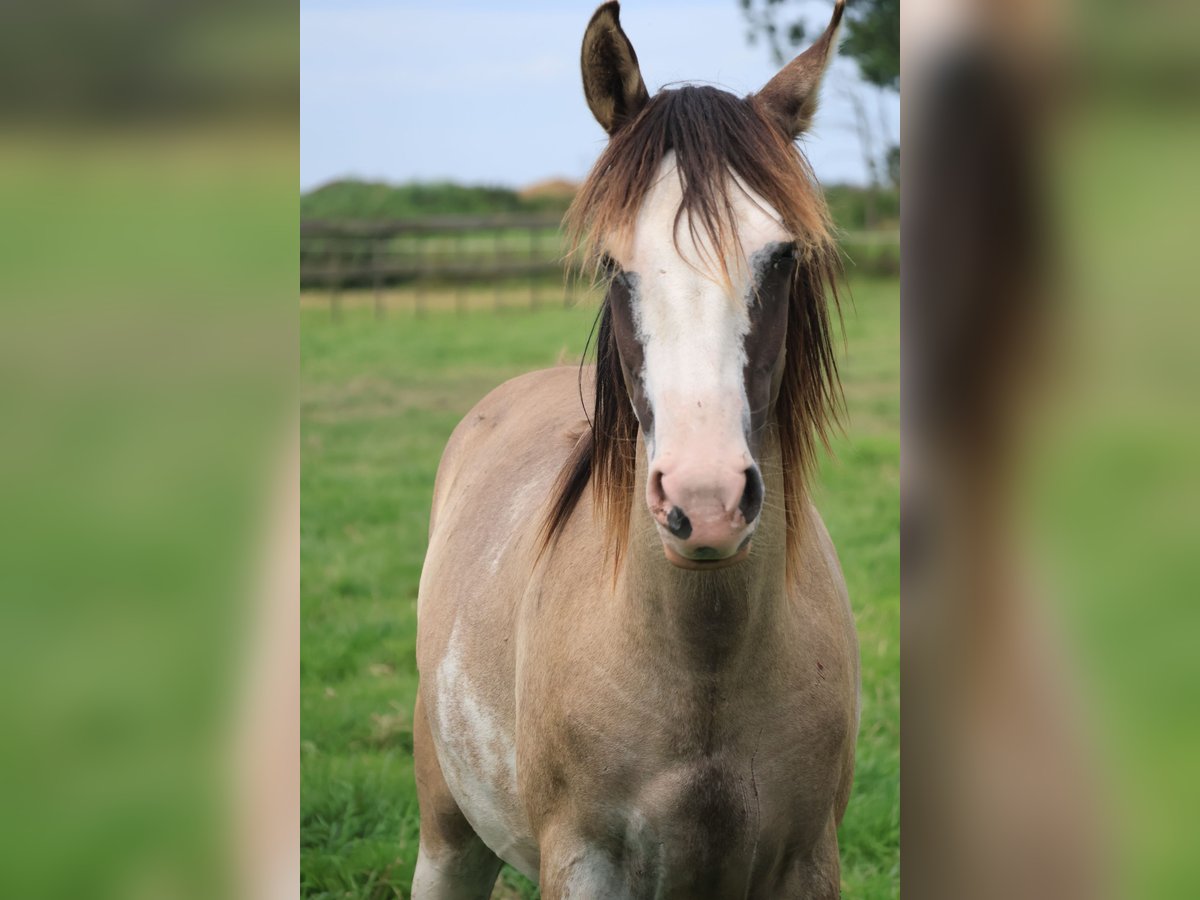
[678, 524]
[752, 496]
[657, 497]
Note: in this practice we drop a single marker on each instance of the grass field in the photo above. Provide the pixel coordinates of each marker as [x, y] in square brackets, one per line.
[379, 399]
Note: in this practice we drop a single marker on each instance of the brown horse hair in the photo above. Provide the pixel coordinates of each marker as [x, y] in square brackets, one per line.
[713, 134]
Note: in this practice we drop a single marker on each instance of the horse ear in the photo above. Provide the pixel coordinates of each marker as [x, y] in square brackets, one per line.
[612, 80]
[790, 98]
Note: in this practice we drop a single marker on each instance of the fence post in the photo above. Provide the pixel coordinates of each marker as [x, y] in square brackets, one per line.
[496, 245]
[421, 269]
[335, 297]
[375, 278]
[460, 299]
[533, 255]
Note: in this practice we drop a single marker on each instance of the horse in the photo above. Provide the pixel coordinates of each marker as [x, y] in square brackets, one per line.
[659, 699]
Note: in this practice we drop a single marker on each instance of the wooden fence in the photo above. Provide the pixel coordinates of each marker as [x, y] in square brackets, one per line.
[456, 253]
[459, 255]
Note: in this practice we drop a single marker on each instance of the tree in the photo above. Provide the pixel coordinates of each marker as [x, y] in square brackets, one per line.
[871, 35]
[873, 41]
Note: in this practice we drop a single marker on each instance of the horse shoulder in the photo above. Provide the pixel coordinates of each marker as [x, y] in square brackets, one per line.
[495, 476]
[516, 416]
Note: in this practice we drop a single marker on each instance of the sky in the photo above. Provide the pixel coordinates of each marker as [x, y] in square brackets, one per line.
[490, 93]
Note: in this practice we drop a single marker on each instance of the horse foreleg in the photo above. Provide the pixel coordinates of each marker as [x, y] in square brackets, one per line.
[816, 875]
[452, 862]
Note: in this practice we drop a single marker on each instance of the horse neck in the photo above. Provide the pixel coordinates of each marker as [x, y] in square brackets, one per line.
[718, 620]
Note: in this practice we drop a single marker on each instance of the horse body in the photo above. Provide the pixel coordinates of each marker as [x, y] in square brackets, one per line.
[666, 733]
[659, 700]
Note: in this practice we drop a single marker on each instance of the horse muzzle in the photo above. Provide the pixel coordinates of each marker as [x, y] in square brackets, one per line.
[705, 519]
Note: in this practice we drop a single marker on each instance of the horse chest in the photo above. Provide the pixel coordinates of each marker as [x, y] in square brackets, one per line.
[698, 829]
[694, 803]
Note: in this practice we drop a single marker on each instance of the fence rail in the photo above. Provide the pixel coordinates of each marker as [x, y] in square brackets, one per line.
[337, 255]
[457, 252]
[387, 228]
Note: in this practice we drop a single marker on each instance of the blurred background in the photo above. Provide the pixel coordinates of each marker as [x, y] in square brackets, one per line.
[440, 146]
[148, 170]
[1050, 439]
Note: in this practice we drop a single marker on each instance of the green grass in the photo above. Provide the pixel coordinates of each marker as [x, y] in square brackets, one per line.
[379, 399]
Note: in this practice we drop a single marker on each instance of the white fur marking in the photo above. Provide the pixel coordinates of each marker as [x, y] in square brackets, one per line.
[479, 761]
[593, 876]
[518, 508]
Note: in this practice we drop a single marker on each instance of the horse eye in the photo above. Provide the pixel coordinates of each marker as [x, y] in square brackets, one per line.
[609, 266]
[784, 254]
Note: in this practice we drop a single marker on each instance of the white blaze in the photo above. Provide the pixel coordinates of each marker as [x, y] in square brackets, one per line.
[692, 324]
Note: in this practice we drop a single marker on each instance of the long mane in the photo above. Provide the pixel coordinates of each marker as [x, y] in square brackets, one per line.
[714, 135]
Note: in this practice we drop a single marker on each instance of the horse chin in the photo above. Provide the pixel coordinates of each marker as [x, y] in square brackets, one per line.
[705, 565]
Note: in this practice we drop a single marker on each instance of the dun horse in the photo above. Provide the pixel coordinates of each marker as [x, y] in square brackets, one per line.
[652, 699]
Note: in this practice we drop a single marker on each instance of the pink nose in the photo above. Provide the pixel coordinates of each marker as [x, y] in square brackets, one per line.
[704, 513]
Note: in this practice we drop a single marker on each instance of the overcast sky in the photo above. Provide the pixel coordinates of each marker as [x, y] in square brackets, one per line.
[490, 93]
